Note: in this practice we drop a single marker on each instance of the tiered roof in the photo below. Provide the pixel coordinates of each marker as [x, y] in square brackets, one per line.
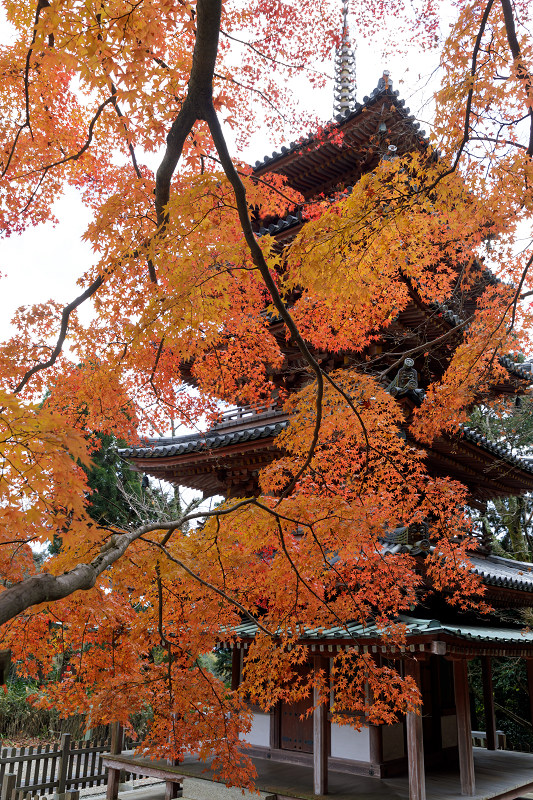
[224, 460]
[227, 458]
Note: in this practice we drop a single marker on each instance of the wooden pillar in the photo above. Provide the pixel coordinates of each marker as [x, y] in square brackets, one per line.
[464, 727]
[488, 702]
[9, 785]
[172, 790]
[320, 734]
[275, 727]
[235, 667]
[415, 742]
[375, 733]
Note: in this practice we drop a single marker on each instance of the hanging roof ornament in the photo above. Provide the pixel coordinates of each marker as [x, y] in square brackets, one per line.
[345, 79]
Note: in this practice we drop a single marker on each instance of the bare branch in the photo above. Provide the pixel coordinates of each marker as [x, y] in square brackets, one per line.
[521, 69]
[517, 295]
[200, 92]
[469, 98]
[65, 317]
[26, 124]
[259, 260]
[498, 141]
[264, 55]
[252, 89]
[122, 118]
[44, 587]
[422, 347]
[82, 150]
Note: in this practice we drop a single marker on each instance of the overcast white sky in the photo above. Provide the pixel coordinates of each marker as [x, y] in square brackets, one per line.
[46, 261]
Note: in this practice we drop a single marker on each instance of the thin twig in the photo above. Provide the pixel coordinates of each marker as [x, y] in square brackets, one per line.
[208, 585]
[65, 317]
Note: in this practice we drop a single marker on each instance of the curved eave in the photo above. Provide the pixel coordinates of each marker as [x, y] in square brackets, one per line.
[323, 161]
[488, 469]
[430, 636]
[211, 462]
[277, 160]
[486, 472]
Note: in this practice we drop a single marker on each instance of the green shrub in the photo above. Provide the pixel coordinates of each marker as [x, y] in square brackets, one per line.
[19, 718]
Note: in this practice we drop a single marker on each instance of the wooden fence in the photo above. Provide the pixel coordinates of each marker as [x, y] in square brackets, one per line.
[22, 794]
[58, 768]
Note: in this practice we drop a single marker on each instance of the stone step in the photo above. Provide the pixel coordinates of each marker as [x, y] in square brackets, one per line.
[199, 789]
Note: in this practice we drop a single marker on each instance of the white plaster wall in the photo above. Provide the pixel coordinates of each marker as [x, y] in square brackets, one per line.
[448, 726]
[393, 742]
[259, 733]
[348, 743]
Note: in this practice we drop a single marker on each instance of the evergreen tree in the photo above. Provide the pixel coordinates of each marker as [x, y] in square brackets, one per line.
[509, 520]
[114, 485]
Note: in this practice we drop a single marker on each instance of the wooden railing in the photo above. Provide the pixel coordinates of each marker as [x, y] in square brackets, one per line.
[245, 414]
[59, 768]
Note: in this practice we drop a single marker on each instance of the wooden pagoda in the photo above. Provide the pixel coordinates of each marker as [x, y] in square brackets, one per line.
[227, 458]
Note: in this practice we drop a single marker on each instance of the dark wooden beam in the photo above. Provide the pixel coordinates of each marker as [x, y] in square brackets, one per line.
[464, 727]
[320, 733]
[415, 742]
[488, 702]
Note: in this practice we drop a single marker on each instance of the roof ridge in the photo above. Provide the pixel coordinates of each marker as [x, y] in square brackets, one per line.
[382, 90]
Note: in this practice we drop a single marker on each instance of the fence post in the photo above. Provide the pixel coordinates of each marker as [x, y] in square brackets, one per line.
[113, 775]
[63, 766]
[117, 738]
[74, 795]
[8, 784]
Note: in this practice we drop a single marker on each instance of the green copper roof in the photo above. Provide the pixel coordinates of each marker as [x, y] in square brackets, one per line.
[415, 627]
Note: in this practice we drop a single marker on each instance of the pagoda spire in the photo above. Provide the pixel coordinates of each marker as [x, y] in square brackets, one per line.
[345, 80]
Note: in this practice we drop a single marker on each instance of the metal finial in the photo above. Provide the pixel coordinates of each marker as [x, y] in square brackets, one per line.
[345, 78]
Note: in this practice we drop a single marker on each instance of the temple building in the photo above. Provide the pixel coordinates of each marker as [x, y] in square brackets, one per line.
[431, 755]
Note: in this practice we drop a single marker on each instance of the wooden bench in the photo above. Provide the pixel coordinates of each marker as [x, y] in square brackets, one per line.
[138, 765]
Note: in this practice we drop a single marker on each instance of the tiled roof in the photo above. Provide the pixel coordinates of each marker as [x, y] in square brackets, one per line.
[196, 442]
[213, 440]
[499, 449]
[415, 627]
[524, 369]
[341, 119]
[494, 570]
[290, 221]
[449, 315]
[504, 572]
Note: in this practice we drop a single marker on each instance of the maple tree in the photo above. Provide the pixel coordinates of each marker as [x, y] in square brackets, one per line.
[88, 89]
